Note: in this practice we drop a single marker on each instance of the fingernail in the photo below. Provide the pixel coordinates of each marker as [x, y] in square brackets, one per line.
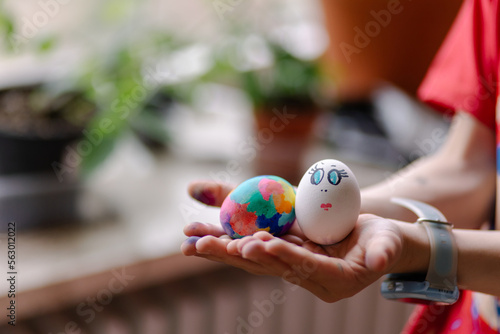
[192, 240]
[191, 228]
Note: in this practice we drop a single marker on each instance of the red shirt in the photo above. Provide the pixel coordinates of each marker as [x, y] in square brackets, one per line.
[464, 73]
[464, 77]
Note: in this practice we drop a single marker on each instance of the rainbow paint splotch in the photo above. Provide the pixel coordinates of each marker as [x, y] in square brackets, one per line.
[262, 203]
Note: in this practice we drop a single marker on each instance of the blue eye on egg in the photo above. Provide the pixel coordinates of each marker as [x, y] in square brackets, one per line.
[335, 175]
[317, 176]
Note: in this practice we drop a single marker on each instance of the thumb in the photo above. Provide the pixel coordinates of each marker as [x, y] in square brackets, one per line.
[382, 251]
[209, 192]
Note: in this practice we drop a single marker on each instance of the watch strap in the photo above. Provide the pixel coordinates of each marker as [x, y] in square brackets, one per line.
[442, 271]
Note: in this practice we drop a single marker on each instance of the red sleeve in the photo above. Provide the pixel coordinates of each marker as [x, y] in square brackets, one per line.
[463, 75]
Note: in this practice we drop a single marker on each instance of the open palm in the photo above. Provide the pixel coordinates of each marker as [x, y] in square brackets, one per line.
[330, 272]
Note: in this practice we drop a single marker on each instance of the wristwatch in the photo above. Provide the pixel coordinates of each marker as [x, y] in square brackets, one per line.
[439, 284]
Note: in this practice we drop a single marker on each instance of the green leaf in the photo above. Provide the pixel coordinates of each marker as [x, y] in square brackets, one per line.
[47, 44]
[253, 88]
[100, 151]
[117, 10]
[150, 124]
[7, 28]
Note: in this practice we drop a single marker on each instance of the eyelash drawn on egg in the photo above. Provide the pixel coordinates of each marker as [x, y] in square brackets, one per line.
[313, 171]
[338, 175]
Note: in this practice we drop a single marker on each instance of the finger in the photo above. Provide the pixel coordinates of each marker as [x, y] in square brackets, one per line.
[293, 239]
[306, 269]
[382, 251]
[210, 245]
[253, 249]
[209, 192]
[315, 248]
[201, 229]
[296, 230]
[232, 247]
[240, 244]
[303, 260]
[266, 236]
[235, 246]
[214, 249]
[263, 235]
[286, 251]
[188, 247]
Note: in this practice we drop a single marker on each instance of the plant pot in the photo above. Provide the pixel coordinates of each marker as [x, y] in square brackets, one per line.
[31, 193]
[37, 201]
[20, 154]
[283, 137]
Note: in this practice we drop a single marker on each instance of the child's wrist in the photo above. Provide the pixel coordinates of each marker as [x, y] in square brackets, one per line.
[416, 251]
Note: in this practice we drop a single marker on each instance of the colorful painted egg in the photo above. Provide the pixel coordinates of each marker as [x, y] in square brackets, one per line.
[262, 203]
[328, 202]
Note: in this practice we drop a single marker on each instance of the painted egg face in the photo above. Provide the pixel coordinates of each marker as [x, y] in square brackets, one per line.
[262, 203]
[328, 202]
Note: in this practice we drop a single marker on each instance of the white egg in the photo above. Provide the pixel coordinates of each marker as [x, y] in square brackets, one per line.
[328, 201]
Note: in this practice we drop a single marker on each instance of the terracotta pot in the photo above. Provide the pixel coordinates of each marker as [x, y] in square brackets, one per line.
[283, 138]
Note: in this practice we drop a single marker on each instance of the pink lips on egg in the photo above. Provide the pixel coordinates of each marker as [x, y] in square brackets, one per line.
[326, 206]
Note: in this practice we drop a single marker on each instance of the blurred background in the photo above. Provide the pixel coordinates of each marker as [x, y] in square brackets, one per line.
[108, 109]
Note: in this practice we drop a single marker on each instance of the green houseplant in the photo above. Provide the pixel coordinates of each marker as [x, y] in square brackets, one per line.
[284, 91]
[38, 121]
[54, 132]
[36, 127]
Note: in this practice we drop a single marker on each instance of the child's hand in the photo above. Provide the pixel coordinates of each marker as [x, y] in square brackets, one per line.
[333, 272]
